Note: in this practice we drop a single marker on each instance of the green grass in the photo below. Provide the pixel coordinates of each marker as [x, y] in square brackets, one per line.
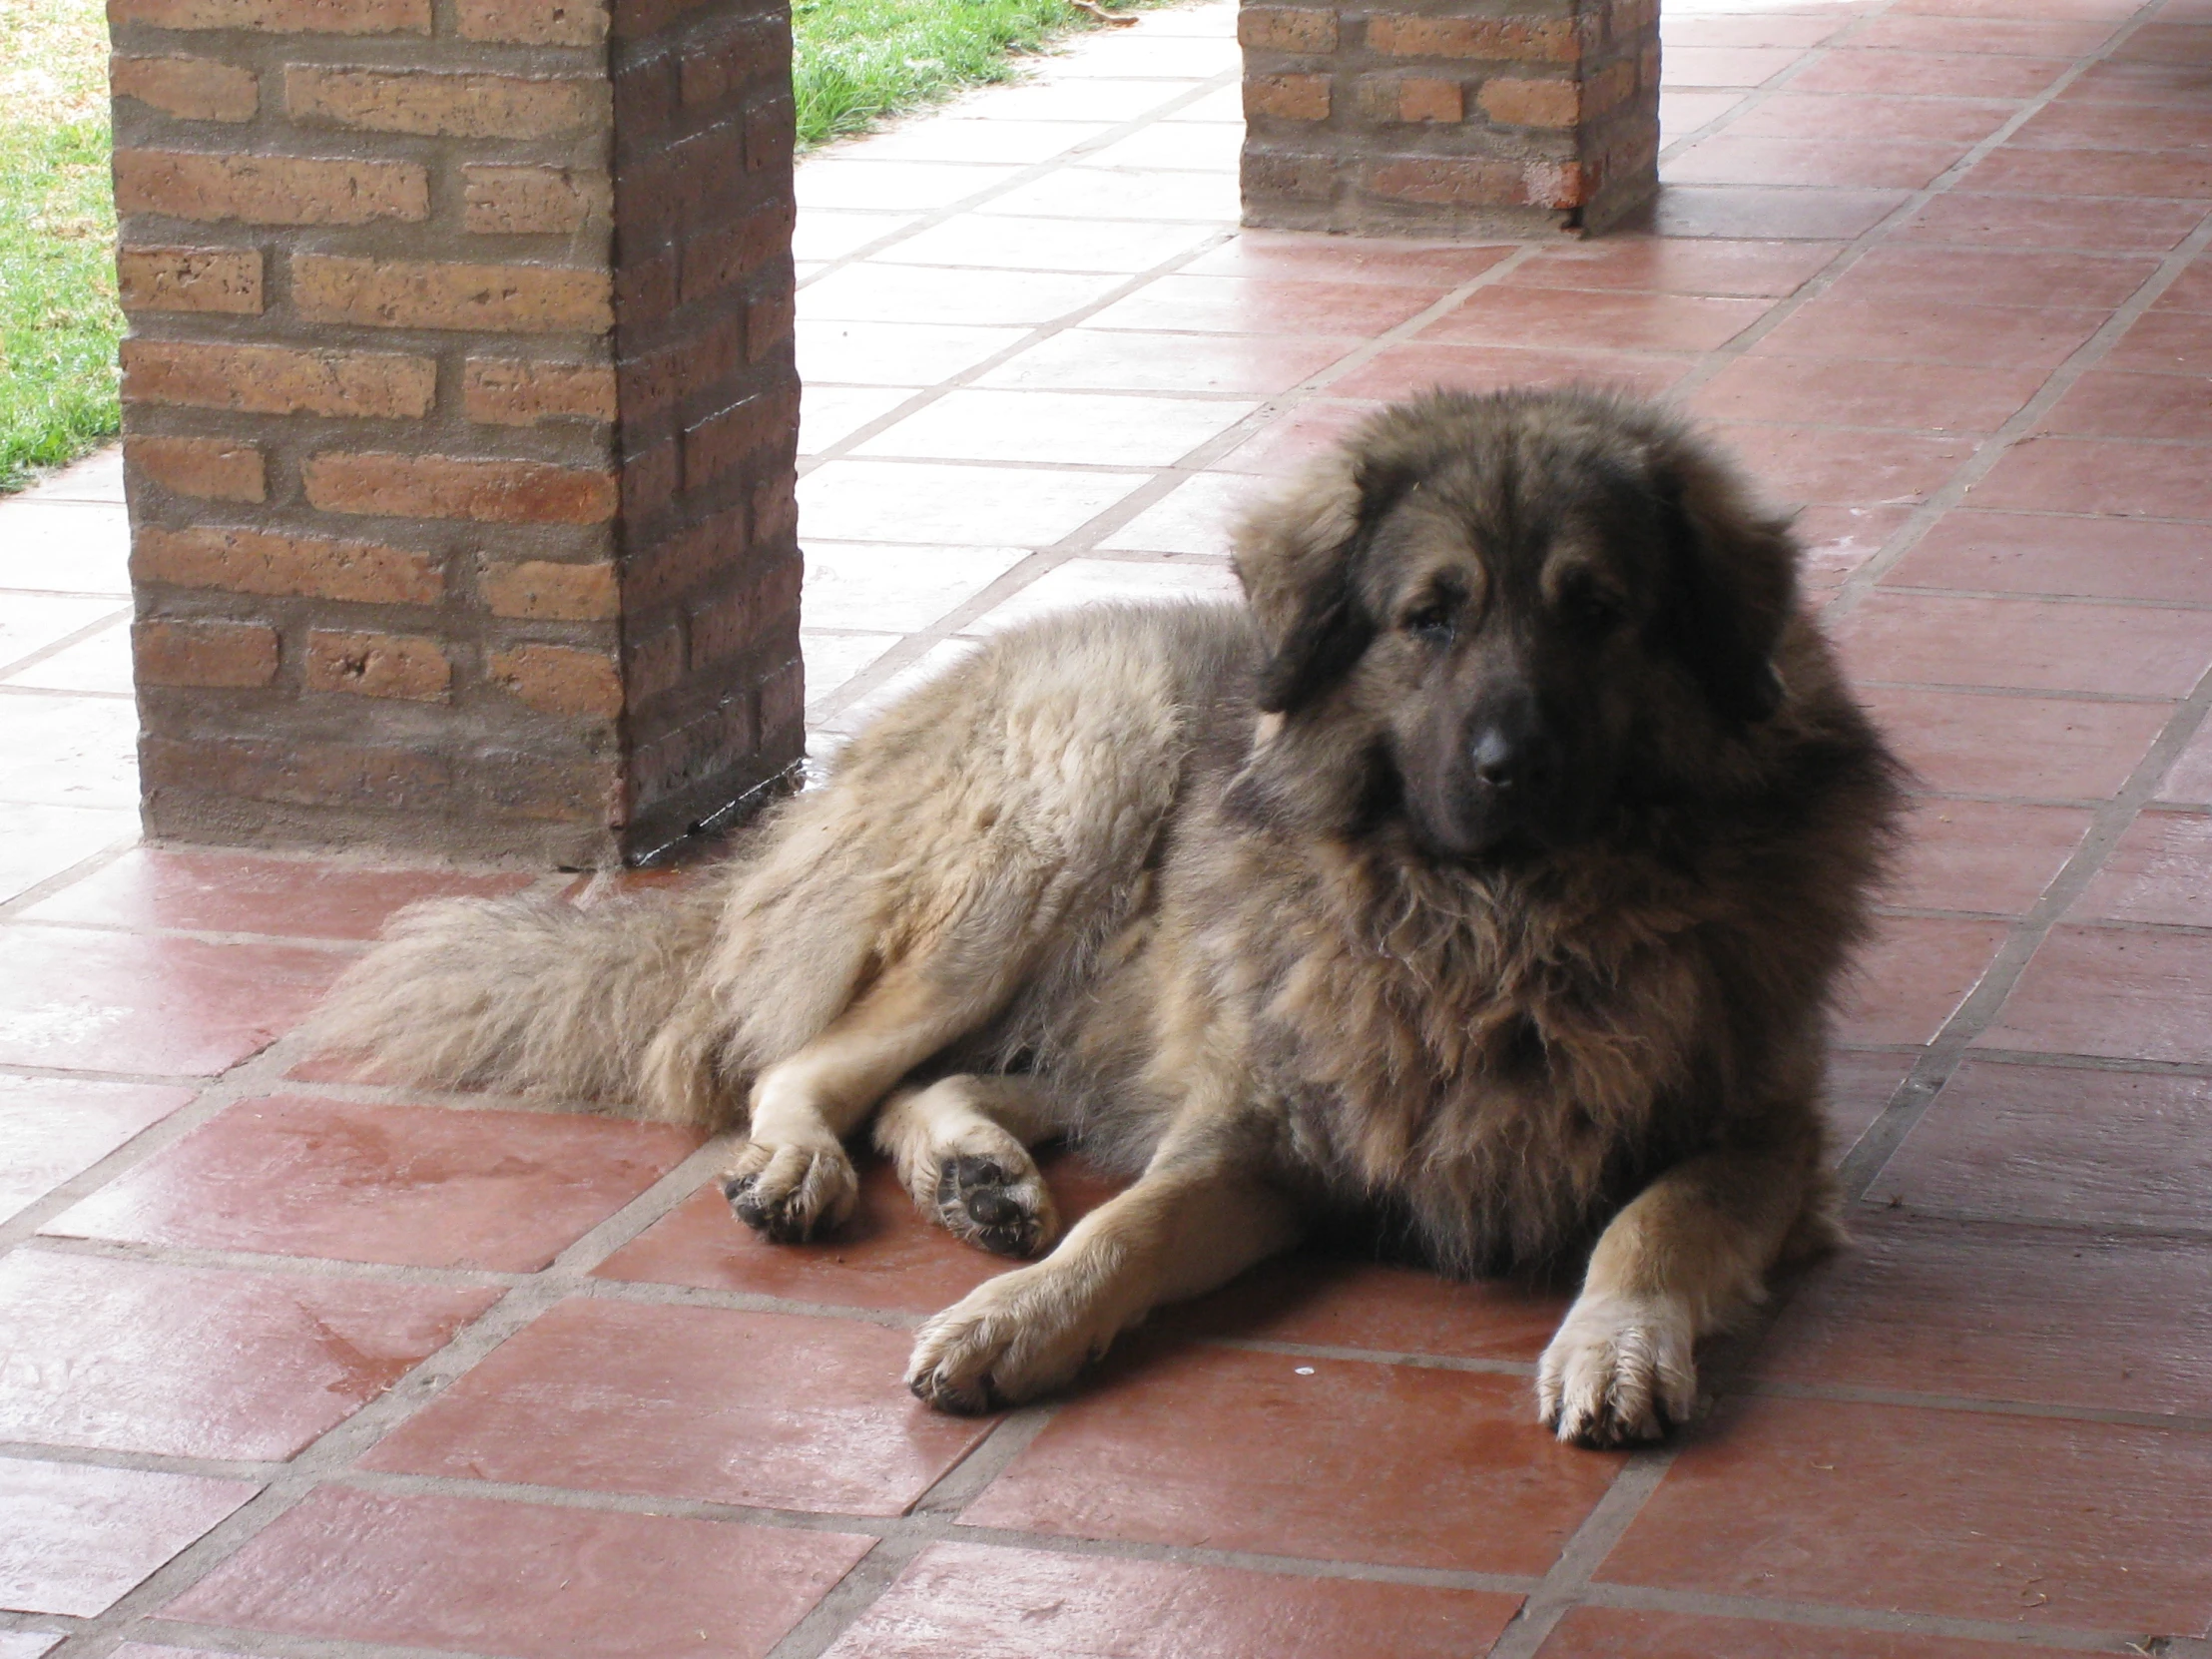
[855, 61]
[58, 319]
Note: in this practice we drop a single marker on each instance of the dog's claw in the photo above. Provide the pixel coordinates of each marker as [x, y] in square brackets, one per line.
[980, 1200]
[1619, 1372]
[790, 1194]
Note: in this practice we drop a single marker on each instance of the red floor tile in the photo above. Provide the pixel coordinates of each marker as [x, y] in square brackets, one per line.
[2173, 342]
[2092, 558]
[2058, 1523]
[1354, 1462]
[1728, 158]
[415, 1186]
[2097, 475]
[2041, 1316]
[1617, 1633]
[1864, 117]
[1897, 71]
[774, 1410]
[244, 892]
[1844, 393]
[1914, 976]
[2038, 748]
[1982, 277]
[78, 1537]
[1265, 306]
[75, 999]
[1743, 212]
[2060, 1145]
[2169, 174]
[1658, 265]
[1859, 1086]
[2108, 405]
[2191, 290]
[2037, 222]
[1410, 369]
[2022, 37]
[885, 1256]
[1287, 444]
[1838, 539]
[1725, 66]
[53, 1128]
[2026, 644]
[1835, 466]
[1579, 318]
[2189, 779]
[1333, 1301]
[2086, 126]
[519, 1580]
[31, 1645]
[198, 1362]
[1867, 327]
[2124, 80]
[2161, 871]
[1983, 855]
[1033, 1604]
[1111, 361]
[1291, 257]
[1794, 29]
[2114, 993]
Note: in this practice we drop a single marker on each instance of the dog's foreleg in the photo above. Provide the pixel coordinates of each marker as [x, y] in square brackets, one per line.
[1689, 1254]
[961, 1147]
[1186, 1227]
[791, 1178]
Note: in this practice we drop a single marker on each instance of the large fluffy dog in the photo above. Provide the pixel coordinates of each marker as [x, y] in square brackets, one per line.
[1488, 878]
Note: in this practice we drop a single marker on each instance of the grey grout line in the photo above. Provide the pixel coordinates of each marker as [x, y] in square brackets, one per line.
[1586, 1551]
[1836, 1616]
[54, 646]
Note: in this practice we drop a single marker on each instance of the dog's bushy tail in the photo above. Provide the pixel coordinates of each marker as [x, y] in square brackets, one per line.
[522, 995]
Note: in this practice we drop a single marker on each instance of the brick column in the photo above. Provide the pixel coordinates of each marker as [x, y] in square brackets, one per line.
[1449, 118]
[459, 418]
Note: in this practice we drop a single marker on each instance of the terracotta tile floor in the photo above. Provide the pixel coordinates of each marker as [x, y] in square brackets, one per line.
[291, 1365]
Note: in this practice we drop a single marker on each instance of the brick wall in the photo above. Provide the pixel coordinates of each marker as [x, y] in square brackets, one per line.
[1449, 117]
[459, 418]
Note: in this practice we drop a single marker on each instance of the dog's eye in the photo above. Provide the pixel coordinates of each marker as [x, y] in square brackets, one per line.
[1433, 625]
[1593, 610]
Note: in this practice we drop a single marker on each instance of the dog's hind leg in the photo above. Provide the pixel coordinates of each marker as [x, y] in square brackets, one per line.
[791, 1178]
[961, 1146]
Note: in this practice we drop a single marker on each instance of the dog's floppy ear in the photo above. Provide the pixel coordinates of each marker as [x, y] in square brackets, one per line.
[1733, 580]
[1299, 558]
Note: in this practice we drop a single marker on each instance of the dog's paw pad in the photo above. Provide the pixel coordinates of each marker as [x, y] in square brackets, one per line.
[980, 1200]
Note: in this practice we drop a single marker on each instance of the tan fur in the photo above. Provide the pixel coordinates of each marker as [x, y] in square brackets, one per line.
[1215, 893]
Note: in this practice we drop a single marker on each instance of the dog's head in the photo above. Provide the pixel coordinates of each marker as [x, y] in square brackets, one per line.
[1485, 607]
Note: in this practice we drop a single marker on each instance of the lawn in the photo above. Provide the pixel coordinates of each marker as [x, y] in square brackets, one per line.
[855, 61]
[58, 319]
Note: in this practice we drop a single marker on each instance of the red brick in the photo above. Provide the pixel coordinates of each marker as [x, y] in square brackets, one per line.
[717, 259]
[700, 749]
[1450, 183]
[1529, 39]
[634, 19]
[1410, 98]
[724, 438]
[379, 664]
[522, 392]
[197, 89]
[533, 22]
[286, 17]
[1531, 102]
[649, 478]
[1287, 97]
[1299, 178]
[298, 774]
[447, 105]
[278, 379]
[541, 590]
[769, 321]
[406, 294]
[686, 560]
[560, 680]
[223, 279]
[783, 699]
[174, 652]
[533, 201]
[655, 662]
[269, 189]
[655, 381]
[213, 468]
[723, 627]
[553, 791]
[256, 561]
[1285, 29]
[451, 486]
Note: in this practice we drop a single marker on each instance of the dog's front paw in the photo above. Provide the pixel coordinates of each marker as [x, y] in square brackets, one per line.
[1006, 1210]
[1006, 1341]
[1619, 1370]
[790, 1193]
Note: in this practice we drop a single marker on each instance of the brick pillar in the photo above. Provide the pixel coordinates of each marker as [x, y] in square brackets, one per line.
[1449, 118]
[459, 418]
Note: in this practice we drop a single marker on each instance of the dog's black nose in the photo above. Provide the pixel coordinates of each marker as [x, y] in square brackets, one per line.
[1499, 761]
